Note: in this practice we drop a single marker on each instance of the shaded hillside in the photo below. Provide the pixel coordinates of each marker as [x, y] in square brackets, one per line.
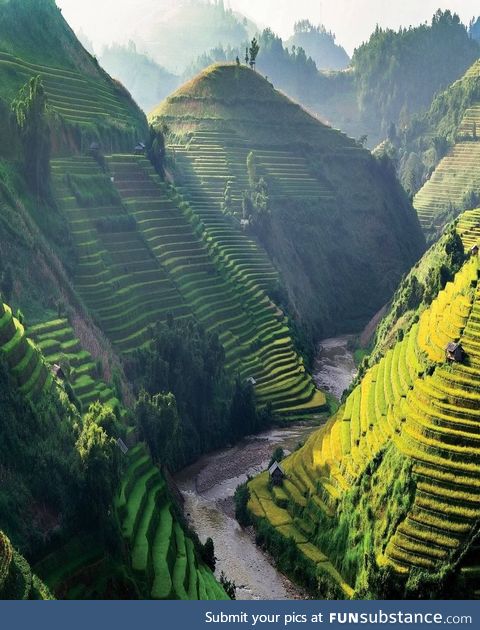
[317, 202]
[148, 82]
[386, 492]
[319, 44]
[87, 104]
[16, 579]
[51, 479]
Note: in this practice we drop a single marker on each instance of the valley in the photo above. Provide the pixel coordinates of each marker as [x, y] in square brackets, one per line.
[188, 407]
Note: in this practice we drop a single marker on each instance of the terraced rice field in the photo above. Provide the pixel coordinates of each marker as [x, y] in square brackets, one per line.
[163, 558]
[457, 175]
[56, 339]
[469, 228]
[430, 410]
[219, 274]
[78, 99]
[22, 356]
[212, 159]
[119, 278]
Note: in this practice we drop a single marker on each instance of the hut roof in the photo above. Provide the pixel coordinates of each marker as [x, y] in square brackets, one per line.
[276, 466]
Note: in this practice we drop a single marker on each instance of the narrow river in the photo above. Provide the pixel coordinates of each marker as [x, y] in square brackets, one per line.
[208, 487]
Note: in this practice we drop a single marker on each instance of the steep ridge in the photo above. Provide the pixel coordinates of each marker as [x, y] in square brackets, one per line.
[220, 277]
[163, 559]
[117, 275]
[143, 254]
[408, 432]
[326, 201]
[87, 104]
[456, 179]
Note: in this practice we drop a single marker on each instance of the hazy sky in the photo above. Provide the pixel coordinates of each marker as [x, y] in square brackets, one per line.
[351, 20]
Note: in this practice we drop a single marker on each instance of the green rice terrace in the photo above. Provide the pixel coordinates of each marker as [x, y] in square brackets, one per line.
[456, 179]
[144, 253]
[162, 559]
[409, 432]
[255, 167]
[80, 95]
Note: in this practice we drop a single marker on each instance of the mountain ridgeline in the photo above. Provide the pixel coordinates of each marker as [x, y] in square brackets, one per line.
[314, 200]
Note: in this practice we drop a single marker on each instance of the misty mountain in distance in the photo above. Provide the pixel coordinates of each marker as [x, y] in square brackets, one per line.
[319, 44]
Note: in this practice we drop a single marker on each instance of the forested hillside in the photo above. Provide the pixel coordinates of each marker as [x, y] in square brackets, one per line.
[164, 283]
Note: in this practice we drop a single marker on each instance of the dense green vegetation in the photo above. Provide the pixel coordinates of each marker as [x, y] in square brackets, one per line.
[16, 578]
[397, 74]
[205, 409]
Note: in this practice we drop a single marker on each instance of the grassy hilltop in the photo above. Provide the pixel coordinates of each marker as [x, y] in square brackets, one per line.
[329, 203]
[382, 501]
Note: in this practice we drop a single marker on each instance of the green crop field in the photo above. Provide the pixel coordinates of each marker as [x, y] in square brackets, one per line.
[427, 411]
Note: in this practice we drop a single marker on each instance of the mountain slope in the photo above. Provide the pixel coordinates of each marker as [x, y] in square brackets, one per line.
[330, 204]
[449, 132]
[408, 432]
[87, 103]
[16, 578]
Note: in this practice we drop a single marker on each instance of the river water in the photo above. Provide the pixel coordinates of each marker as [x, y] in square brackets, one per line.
[208, 487]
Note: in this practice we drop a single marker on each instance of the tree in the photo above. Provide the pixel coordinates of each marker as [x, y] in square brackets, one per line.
[247, 58]
[6, 284]
[251, 169]
[159, 423]
[30, 110]
[254, 50]
[156, 152]
[100, 463]
[208, 554]
[241, 498]
[229, 586]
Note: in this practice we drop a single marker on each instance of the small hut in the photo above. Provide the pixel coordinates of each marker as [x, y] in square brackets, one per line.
[277, 474]
[474, 250]
[251, 381]
[139, 149]
[94, 148]
[58, 372]
[454, 352]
